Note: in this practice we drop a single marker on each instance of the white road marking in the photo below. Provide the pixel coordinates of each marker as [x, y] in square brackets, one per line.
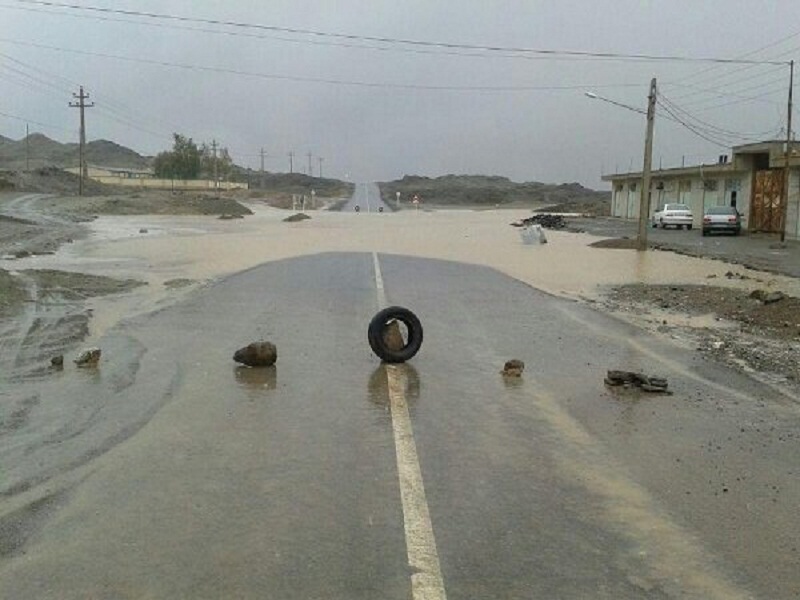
[423, 559]
[379, 282]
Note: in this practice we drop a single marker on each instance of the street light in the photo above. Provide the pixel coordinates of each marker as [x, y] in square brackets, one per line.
[644, 198]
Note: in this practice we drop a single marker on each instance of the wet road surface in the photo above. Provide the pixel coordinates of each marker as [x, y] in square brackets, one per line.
[367, 197]
[179, 475]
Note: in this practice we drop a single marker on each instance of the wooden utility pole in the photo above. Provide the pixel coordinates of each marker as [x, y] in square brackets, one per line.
[320, 159]
[644, 199]
[291, 162]
[216, 179]
[262, 168]
[310, 170]
[785, 191]
[82, 168]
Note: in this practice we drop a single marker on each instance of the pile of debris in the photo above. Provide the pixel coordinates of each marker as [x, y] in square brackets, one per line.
[546, 220]
[632, 379]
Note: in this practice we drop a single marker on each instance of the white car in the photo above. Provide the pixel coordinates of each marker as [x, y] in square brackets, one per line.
[673, 215]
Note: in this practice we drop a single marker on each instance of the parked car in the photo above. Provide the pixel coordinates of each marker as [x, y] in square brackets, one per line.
[722, 218]
[673, 215]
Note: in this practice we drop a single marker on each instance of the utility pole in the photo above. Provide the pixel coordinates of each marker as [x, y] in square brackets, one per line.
[644, 200]
[27, 148]
[81, 103]
[262, 168]
[785, 191]
[291, 162]
[320, 159]
[214, 150]
[310, 171]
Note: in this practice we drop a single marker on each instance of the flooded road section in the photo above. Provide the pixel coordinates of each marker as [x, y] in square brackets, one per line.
[180, 475]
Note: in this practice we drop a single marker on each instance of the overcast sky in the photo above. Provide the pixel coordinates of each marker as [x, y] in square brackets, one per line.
[379, 131]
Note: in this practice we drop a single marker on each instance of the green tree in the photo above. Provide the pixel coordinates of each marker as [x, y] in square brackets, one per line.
[183, 162]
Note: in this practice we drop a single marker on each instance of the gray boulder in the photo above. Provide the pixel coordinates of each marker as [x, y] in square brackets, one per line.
[88, 357]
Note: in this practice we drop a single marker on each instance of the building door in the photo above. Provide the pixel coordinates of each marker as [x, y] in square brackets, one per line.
[766, 208]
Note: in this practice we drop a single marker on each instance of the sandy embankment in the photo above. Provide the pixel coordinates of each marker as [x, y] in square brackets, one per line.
[203, 249]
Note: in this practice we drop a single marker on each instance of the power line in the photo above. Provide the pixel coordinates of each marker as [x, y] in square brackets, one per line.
[714, 128]
[297, 78]
[757, 87]
[32, 121]
[312, 42]
[697, 90]
[400, 41]
[748, 53]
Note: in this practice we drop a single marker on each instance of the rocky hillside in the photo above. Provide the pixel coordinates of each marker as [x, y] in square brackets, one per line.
[46, 152]
[292, 183]
[478, 190]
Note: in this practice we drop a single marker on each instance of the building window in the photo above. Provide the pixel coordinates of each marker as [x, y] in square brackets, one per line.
[710, 185]
[660, 185]
[685, 185]
[733, 185]
[620, 187]
[633, 187]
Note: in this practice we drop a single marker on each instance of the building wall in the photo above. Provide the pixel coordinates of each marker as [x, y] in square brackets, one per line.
[698, 192]
[171, 184]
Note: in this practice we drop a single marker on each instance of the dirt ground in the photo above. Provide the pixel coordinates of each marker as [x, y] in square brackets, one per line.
[726, 324]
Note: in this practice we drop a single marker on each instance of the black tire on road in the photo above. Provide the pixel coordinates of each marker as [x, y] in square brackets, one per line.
[357, 208]
[689, 227]
[375, 334]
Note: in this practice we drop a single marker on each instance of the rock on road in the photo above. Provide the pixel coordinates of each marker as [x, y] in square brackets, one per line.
[283, 482]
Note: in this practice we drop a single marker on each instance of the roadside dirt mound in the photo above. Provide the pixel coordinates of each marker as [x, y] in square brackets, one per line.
[52, 180]
[597, 208]
[731, 326]
[616, 244]
[145, 203]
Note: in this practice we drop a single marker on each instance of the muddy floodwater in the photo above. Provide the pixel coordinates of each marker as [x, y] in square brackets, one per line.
[182, 474]
[161, 250]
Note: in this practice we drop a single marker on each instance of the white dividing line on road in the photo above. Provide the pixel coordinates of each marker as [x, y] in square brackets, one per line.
[423, 559]
[379, 282]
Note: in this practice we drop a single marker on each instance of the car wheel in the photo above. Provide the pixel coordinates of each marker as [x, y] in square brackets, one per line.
[689, 227]
[705, 233]
[378, 343]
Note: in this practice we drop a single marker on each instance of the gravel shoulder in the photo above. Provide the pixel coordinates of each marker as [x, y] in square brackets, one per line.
[731, 326]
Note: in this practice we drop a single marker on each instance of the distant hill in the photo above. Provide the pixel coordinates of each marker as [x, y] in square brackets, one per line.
[477, 190]
[46, 152]
[293, 183]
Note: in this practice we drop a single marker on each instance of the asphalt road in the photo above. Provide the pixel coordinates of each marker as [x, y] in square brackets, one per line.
[367, 197]
[192, 478]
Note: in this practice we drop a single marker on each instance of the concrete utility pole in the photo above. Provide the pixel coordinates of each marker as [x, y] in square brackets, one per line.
[785, 191]
[320, 159]
[291, 162]
[644, 199]
[262, 168]
[81, 103]
[310, 170]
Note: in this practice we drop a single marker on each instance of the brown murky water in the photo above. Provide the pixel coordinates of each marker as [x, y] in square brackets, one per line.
[201, 249]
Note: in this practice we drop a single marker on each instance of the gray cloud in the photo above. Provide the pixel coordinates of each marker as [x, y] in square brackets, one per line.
[382, 133]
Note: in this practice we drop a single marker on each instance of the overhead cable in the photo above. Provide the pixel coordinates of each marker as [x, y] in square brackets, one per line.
[392, 40]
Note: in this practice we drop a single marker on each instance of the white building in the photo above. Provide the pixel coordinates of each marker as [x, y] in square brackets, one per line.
[751, 180]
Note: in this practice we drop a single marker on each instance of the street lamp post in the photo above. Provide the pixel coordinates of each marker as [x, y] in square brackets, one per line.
[644, 198]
